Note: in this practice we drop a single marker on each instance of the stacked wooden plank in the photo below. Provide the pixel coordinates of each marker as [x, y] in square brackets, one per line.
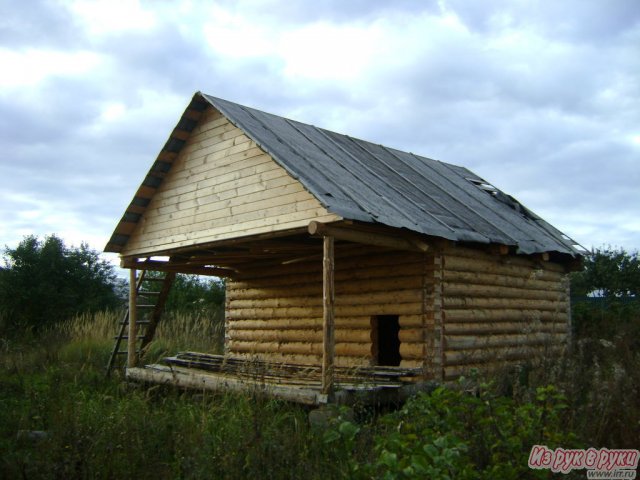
[294, 374]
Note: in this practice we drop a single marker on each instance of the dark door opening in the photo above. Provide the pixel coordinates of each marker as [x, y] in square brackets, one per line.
[385, 340]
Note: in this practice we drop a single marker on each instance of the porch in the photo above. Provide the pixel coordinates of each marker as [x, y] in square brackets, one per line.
[285, 381]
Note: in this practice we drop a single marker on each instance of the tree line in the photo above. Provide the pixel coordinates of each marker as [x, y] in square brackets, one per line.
[43, 282]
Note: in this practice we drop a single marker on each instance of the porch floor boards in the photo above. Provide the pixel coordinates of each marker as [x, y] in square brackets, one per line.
[291, 382]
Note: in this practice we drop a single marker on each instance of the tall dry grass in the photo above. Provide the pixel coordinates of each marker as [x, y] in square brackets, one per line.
[94, 334]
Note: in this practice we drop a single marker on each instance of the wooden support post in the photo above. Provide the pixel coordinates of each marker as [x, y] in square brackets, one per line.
[328, 324]
[132, 356]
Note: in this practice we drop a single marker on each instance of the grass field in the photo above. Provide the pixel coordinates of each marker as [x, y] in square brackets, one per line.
[62, 418]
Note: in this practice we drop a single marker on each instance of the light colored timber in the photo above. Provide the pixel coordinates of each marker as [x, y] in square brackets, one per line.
[514, 260]
[287, 204]
[411, 351]
[305, 335]
[263, 175]
[250, 223]
[328, 314]
[128, 262]
[367, 237]
[460, 342]
[279, 357]
[481, 278]
[216, 138]
[453, 372]
[508, 303]
[210, 124]
[229, 145]
[240, 213]
[411, 363]
[219, 168]
[354, 272]
[347, 310]
[242, 165]
[267, 323]
[184, 377]
[244, 178]
[314, 360]
[492, 291]
[314, 335]
[411, 335]
[270, 225]
[501, 315]
[497, 355]
[497, 328]
[438, 314]
[471, 265]
[399, 296]
[132, 355]
[299, 348]
[345, 288]
[201, 169]
[342, 322]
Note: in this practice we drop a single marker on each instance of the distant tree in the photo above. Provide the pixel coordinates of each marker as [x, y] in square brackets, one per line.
[44, 282]
[193, 294]
[609, 273]
[606, 294]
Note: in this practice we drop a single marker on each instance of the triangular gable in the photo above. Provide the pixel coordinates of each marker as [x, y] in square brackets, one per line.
[211, 182]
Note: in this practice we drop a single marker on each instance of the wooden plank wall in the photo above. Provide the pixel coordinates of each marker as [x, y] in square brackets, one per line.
[500, 308]
[222, 185]
[276, 313]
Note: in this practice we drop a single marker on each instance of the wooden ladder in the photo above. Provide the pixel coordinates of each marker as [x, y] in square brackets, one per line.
[150, 302]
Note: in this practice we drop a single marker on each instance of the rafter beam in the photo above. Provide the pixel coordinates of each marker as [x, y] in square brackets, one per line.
[350, 234]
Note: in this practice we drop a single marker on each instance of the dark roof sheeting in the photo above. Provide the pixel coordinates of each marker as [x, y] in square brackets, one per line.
[359, 180]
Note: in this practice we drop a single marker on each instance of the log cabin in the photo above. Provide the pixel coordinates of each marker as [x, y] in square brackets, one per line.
[349, 266]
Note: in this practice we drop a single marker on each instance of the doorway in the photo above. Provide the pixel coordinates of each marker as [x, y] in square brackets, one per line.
[385, 345]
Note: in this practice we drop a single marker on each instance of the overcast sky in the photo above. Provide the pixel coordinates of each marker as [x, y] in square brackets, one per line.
[541, 99]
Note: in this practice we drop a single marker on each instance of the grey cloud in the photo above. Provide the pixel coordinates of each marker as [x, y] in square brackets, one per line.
[338, 11]
[589, 21]
[42, 23]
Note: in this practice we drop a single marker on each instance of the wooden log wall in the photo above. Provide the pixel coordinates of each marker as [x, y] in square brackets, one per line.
[499, 308]
[222, 185]
[276, 313]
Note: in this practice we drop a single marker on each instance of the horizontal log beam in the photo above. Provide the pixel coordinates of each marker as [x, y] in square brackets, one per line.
[367, 237]
[525, 316]
[314, 312]
[235, 291]
[159, 266]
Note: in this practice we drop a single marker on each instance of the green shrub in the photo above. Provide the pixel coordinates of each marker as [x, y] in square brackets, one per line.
[452, 434]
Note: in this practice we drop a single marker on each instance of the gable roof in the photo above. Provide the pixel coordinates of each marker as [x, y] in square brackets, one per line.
[366, 182]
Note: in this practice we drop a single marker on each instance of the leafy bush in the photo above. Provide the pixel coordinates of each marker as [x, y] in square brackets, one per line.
[606, 295]
[453, 434]
[45, 282]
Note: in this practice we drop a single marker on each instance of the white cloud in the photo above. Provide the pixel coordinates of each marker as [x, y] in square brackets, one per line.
[100, 17]
[29, 67]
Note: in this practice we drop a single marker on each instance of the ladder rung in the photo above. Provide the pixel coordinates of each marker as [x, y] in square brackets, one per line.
[148, 294]
[145, 306]
[139, 322]
[126, 337]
